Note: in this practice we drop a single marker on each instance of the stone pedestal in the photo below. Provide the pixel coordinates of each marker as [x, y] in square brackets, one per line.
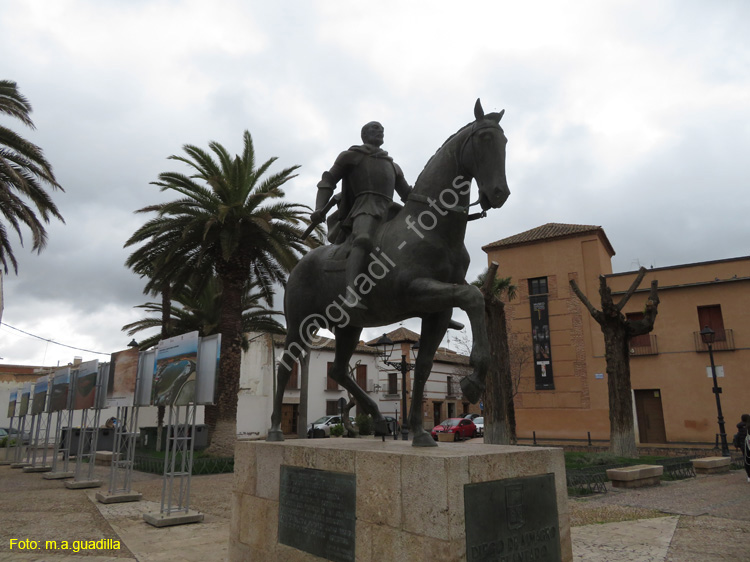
[81, 484]
[374, 500]
[58, 475]
[171, 519]
[37, 468]
[120, 497]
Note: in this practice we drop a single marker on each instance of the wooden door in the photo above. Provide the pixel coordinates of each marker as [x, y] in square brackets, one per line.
[289, 416]
[437, 413]
[650, 416]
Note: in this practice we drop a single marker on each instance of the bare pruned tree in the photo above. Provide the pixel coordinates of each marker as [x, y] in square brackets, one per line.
[618, 331]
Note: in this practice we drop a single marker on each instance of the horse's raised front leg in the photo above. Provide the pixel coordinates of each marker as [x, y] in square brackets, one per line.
[434, 327]
[435, 296]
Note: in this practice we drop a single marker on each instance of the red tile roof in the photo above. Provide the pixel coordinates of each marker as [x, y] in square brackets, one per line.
[551, 231]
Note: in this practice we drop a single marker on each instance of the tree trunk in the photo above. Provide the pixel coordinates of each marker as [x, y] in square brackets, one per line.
[498, 397]
[618, 330]
[621, 423]
[222, 420]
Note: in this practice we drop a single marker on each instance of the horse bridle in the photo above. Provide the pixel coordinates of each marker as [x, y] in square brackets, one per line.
[474, 129]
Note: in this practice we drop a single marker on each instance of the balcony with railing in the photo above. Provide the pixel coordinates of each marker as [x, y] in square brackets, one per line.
[643, 345]
[723, 341]
[454, 388]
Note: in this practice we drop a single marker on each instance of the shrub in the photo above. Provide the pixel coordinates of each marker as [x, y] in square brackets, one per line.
[337, 430]
[364, 424]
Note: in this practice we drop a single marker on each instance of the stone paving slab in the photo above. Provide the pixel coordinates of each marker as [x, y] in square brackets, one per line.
[644, 540]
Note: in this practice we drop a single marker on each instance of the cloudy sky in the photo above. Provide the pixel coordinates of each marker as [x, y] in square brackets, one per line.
[630, 115]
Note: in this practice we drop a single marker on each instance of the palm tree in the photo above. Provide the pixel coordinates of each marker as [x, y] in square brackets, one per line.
[229, 221]
[499, 411]
[201, 312]
[24, 171]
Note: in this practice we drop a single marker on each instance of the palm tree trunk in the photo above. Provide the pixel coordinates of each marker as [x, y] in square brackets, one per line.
[222, 420]
[498, 395]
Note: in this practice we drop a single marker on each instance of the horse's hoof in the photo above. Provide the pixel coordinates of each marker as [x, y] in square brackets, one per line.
[275, 435]
[472, 388]
[424, 439]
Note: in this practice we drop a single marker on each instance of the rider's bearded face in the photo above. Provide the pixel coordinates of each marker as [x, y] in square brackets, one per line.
[372, 133]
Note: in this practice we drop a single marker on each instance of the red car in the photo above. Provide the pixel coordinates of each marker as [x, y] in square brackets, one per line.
[461, 428]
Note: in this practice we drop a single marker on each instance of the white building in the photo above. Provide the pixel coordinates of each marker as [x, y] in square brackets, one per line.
[443, 397]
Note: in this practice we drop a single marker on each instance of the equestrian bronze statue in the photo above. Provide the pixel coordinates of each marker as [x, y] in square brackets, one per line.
[397, 262]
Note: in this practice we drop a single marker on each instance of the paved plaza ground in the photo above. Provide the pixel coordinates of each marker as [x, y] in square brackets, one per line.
[703, 519]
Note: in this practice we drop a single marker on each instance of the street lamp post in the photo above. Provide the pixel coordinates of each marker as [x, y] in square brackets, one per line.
[385, 348]
[708, 335]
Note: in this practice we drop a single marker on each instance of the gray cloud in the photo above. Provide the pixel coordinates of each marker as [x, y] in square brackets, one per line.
[633, 117]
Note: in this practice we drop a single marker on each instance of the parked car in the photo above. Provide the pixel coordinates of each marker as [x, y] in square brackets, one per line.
[392, 423]
[4, 432]
[479, 423]
[322, 426]
[461, 428]
[471, 416]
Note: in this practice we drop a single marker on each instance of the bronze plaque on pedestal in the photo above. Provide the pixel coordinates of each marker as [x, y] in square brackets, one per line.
[512, 519]
[317, 512]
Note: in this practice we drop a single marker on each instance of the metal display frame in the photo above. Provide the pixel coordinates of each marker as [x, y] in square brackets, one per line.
[18, 455]
[63, 420]
[178, 460]
[8, 460]
[35, 443]
[87, 439]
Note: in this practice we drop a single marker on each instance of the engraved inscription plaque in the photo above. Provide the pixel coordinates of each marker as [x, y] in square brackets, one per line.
[317, 512]
[513, 519]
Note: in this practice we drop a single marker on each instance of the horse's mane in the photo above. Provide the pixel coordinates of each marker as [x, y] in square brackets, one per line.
[450, 138]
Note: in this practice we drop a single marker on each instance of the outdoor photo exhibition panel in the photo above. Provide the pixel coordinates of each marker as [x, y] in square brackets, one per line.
[40, 437]
[123, 375]
[59, 405]
[175, 373]
[184, 375]
[86, 386]
[23, 410]
[11, 443]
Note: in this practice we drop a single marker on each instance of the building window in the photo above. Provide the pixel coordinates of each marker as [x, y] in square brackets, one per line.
[362, 376]
[332, 407]
[392, 383]
[330, 383]
[711, 316]
[454, 386]
[538, 286]
[292, 383]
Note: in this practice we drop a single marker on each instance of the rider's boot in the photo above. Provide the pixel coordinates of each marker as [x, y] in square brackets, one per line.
[355, 265]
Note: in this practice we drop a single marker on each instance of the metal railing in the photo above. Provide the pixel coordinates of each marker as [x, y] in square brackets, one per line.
[640, 346]
[723, 341]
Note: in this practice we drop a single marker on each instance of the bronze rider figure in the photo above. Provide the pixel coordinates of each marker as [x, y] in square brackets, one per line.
[370, 177]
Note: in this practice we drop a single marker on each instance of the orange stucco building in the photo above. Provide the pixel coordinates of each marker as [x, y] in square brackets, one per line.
[563, 386]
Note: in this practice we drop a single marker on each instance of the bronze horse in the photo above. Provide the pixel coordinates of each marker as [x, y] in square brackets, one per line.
[417, 269]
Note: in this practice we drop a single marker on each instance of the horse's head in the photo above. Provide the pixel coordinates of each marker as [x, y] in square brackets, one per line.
[483, 156]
